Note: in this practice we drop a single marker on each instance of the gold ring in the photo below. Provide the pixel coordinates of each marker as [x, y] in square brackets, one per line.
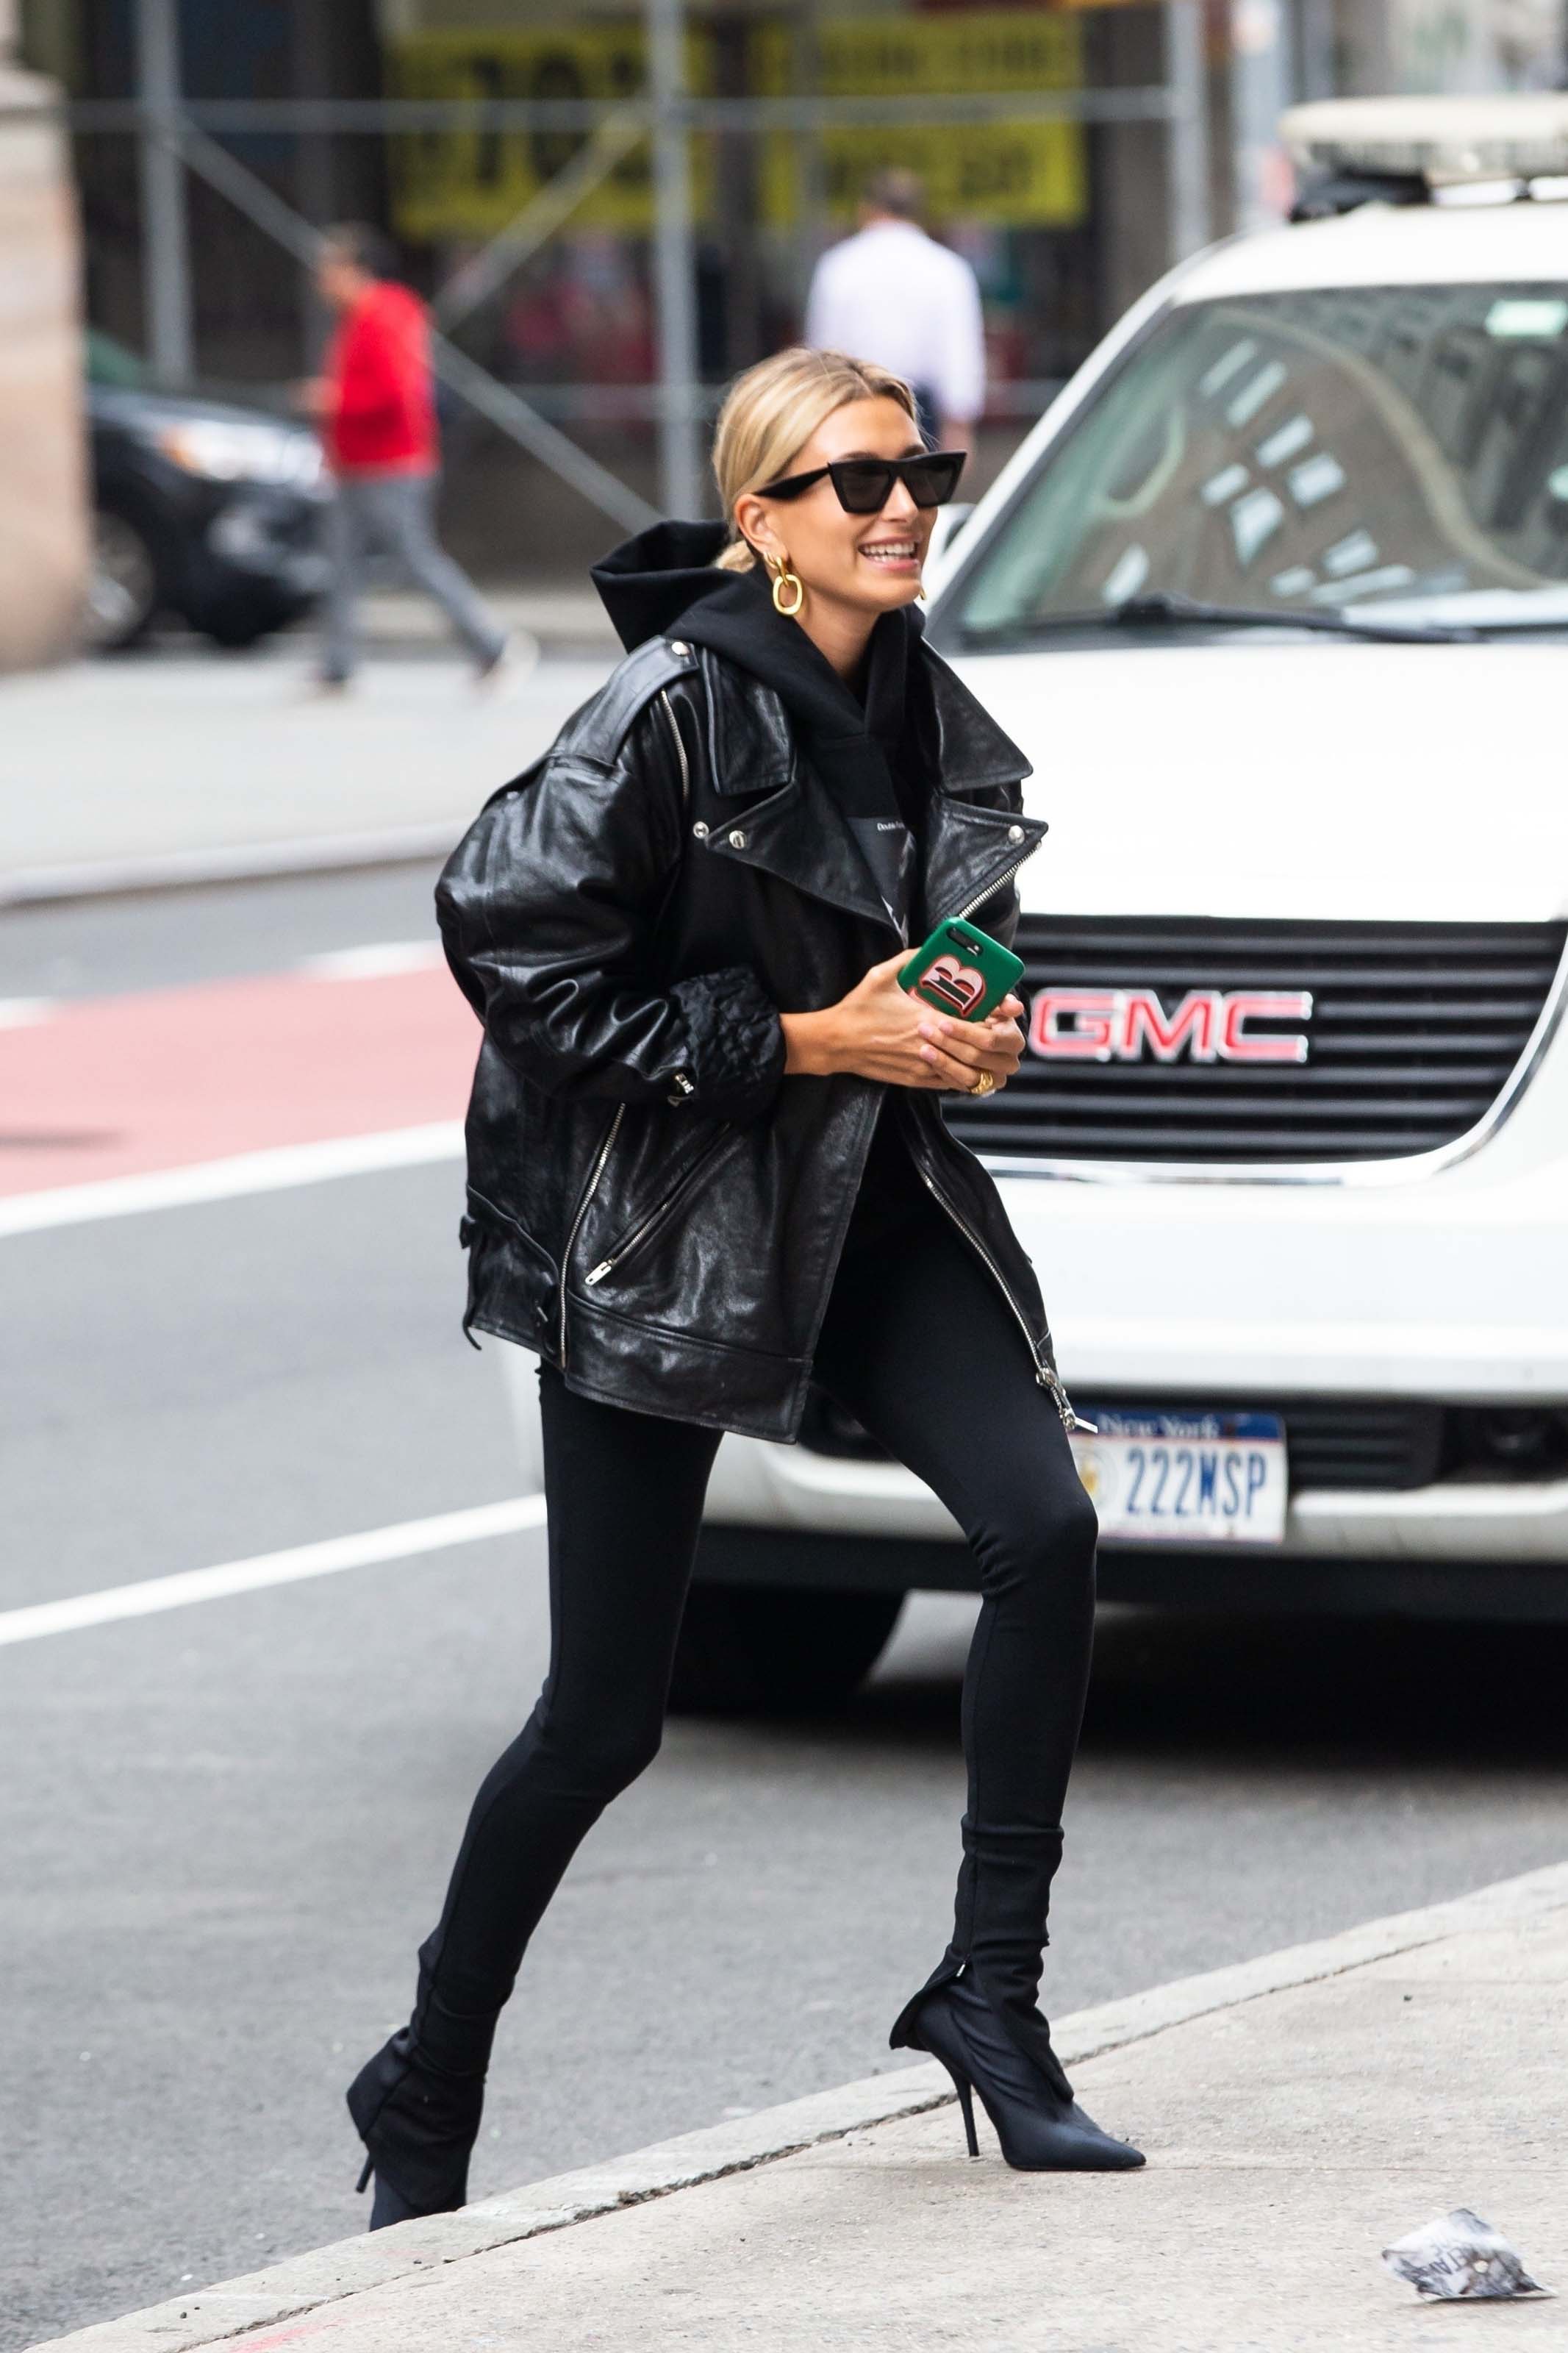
[985, 1084]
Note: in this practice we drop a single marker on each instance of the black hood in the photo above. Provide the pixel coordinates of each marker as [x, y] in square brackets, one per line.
[666, 581]
[648, 581]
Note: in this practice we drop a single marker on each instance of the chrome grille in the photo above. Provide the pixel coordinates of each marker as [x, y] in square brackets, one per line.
[1414, 1033]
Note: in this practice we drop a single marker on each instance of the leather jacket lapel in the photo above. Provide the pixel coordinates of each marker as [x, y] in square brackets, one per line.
[973, 754]
[751, 745]
[970, 846]
[797, 832]
[968, 853]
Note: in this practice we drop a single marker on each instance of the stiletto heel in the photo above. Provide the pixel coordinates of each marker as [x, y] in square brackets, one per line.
[388, 2205]
[966, 2102]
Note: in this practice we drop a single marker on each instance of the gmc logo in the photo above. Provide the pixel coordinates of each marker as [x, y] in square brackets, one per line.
[1210, 1024]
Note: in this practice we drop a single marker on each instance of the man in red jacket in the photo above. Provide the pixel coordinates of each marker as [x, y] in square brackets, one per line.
[377, 417]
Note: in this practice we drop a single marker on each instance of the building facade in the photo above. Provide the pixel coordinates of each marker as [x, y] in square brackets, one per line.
[1042, 131]
[43, 502]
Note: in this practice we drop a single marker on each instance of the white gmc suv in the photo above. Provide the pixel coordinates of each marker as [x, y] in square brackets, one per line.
[1276, 598]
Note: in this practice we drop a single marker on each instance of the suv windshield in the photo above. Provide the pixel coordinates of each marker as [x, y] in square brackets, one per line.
[1402, 451]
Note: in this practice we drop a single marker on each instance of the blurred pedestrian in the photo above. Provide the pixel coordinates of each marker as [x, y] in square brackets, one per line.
[892, 294]
[707, 1165]
[376, 409]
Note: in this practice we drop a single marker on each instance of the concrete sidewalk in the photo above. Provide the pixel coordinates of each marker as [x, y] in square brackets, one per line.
[186, 766]
[1299, 2112]
[565, 616]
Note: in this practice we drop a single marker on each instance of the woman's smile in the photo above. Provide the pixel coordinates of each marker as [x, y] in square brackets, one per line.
[900, 555]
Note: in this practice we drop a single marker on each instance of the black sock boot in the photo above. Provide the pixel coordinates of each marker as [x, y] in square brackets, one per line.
[978, 2011]
[416, 2106]
[1040, 2126]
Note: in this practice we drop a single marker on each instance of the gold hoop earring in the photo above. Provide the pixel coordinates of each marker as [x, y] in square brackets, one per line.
[786, 582]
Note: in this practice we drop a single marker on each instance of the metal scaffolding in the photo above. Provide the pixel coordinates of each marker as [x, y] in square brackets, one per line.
[165, 231]
[1260, 84]
[177, 136]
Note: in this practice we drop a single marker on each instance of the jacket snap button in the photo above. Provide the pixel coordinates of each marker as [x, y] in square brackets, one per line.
[737, 840]
[701, 831]
[1015, 833]
[678, 646]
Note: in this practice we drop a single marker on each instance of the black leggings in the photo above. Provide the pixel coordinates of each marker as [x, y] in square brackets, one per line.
[921, 1347]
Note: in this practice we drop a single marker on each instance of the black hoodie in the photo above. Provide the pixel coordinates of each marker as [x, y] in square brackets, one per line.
[870, 754]
[866, 747]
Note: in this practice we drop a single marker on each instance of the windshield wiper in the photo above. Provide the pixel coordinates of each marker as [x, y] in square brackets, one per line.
[1164, 610]
[1521, 627]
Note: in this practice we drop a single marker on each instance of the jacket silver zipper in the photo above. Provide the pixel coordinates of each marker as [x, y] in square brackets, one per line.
[991, 888]
[623, 1249]
[680, 751]
[1047, 1378]
[588, 1191]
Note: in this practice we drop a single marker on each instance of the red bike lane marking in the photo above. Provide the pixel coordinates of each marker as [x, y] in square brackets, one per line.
[124, 1086]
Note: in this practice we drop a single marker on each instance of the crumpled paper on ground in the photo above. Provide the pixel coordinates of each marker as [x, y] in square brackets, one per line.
[1459, 2255]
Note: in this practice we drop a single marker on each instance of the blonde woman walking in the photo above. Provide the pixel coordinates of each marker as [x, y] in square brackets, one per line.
[707, 1167]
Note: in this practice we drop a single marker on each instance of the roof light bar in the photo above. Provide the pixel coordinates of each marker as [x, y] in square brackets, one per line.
[1520, 136]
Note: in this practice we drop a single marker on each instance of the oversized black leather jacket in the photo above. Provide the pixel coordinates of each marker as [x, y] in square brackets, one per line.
[652, 1205]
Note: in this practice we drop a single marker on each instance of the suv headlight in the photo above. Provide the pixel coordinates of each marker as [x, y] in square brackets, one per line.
[226, 452]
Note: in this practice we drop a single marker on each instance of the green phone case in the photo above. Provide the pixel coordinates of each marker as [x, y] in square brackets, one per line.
[961, 971]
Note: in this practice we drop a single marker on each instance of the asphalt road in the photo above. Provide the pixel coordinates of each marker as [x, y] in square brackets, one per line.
[225, 1828]
[170, 939]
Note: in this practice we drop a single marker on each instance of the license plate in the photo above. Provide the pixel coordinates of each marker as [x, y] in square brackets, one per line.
[1160, 1477]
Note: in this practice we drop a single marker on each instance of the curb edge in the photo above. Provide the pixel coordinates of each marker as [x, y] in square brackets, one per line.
[329, 2275]
[250, 861]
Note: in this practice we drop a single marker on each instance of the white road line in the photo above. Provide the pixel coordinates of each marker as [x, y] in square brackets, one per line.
[225, 1180]
[373, 963]
[400, 1543]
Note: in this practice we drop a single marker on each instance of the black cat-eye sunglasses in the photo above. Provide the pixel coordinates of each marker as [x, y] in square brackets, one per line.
[864, 485]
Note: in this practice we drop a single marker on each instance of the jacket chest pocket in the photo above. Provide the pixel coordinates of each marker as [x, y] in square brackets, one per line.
[651, 1221]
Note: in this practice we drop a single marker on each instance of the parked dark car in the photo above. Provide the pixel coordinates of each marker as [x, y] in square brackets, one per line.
[204, 508]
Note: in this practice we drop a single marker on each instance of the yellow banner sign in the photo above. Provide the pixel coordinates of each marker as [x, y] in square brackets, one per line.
[1004, 174]
[468, 184]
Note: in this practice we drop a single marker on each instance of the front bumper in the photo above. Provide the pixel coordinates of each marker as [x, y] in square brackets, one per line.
[788, 1488]
[258, 541]
[1453, 1288]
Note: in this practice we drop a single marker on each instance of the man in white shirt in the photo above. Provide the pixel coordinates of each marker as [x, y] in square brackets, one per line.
[890, 293]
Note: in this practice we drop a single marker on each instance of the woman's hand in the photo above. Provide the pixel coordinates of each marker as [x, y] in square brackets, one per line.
[880, 1032]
